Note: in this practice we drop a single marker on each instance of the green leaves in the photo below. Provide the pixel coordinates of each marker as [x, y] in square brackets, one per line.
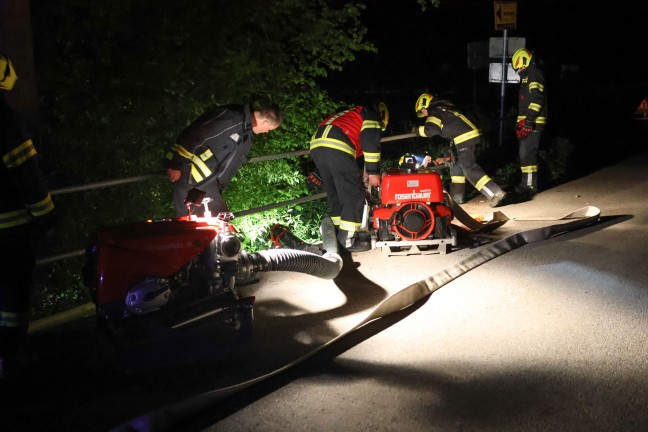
[119, 80]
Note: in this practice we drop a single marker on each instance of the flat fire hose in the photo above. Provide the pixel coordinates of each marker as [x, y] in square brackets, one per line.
[170, 417]
[495, 221]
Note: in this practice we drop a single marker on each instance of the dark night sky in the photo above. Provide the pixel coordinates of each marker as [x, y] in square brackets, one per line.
[593, 33]
[428, 50]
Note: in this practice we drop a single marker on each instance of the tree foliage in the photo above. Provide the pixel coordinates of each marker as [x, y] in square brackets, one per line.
[119, 80]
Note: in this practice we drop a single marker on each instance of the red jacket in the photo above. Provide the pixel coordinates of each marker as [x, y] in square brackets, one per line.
[355, 131]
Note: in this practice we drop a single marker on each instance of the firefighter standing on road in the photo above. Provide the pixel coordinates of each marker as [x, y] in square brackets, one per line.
[339, 140]
[210, 151]
[443, 119]
[531, 119]
[26, 211]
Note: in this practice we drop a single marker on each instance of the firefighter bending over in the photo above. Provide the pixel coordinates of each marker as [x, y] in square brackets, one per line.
[210, 151]
[26, 211]
[339, 140]
[443, 119]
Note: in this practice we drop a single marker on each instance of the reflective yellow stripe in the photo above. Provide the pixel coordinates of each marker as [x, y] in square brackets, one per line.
[482, 182]
[19, 155]
[195, 174]
[370, 124]
[336, 220]
[13, 319]
[466, 136]
[539, 120]
[435, 120]
[325, 141]
[349, 226]
[337, 116]
[41, 207]
[465, 119]
[535, 107]
[529, 169]
[536, 86]
[372, 157]
[458, 179]
[206, 155]
[197, 163]
[421, 131]
[14, 218]
[334, 144]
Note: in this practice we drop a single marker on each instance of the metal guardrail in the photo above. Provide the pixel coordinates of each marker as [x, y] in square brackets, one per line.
[88, 308]
[144, 177]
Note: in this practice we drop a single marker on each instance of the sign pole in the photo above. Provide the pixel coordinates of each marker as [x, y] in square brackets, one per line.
[503, 88]
[505, 19]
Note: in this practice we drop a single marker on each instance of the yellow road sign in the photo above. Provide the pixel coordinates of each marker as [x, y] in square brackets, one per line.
[505, 14]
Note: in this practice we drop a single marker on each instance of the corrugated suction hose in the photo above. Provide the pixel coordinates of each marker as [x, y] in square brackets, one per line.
[327, 266]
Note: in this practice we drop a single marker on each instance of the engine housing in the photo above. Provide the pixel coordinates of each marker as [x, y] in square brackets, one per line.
[412, 206]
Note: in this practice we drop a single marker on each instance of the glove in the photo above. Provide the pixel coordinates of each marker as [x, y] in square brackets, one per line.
[523, 130]
[195, 196]
[416, 130]
[313, 181]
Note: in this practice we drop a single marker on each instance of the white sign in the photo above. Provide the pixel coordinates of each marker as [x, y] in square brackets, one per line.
[496, 46]
[495, 73]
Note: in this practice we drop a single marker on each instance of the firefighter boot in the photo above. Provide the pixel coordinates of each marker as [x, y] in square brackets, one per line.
[498, 199]
[457, 191]
[528, 186]
[351, 242]
[525, 192]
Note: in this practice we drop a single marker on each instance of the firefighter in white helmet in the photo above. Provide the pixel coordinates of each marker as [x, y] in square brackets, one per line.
[442, 118]
[531, 118]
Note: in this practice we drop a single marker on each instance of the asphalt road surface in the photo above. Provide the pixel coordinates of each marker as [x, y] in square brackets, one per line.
[548, 337]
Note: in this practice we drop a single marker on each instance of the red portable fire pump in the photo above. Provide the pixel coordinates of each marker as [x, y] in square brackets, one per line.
[413, 215]
[174, 273]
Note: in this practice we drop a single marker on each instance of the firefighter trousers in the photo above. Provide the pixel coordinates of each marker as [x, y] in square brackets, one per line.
[467, 168]
[528, 150]
[342, 182]
[212, 190]
[17, 270]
